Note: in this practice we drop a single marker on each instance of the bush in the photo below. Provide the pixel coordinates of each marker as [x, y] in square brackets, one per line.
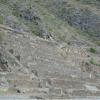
[98, 43]
[92, 61]
[93, 50]
[1, 37]
[1, 20]
[35, 30]
[3, 1]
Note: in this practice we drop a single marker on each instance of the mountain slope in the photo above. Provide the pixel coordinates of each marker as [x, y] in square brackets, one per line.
[81, 16]
[73, 15]
[44, 54]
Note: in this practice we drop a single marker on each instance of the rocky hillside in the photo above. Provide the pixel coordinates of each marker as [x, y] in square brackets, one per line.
[84, 15]
[49, 17]
[49, 49]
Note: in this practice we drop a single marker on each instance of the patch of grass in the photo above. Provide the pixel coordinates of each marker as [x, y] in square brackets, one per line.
[98, 43]
[3, 1]
[58, 28]
[35, 29]
[93, 50]
[16, 13]
[93, 62]
[1, 19]
[1, 37]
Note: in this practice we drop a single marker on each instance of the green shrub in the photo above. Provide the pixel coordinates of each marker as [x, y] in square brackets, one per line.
[3, 1]
[1, 37]
[98, 43]
[35, 30]
[1, 19]
[93, 62]
[93, 50]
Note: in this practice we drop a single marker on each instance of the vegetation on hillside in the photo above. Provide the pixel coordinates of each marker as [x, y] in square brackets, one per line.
[61, 19]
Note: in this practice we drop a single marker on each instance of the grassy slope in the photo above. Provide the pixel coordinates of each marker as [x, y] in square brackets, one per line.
[56, 26]
[49, 4]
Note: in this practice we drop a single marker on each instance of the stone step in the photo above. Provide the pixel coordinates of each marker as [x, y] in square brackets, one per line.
[31, 93]
[69, 75]
[17, 76]
[67, 83]
[85, 93]
[24, 83]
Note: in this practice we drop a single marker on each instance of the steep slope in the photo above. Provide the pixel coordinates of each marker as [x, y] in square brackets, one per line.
[42, 56]
[82, 16]
[62, 19]
[38, 68]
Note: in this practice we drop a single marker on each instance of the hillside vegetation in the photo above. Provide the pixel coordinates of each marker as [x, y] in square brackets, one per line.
[50, 49]
[61, 19]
